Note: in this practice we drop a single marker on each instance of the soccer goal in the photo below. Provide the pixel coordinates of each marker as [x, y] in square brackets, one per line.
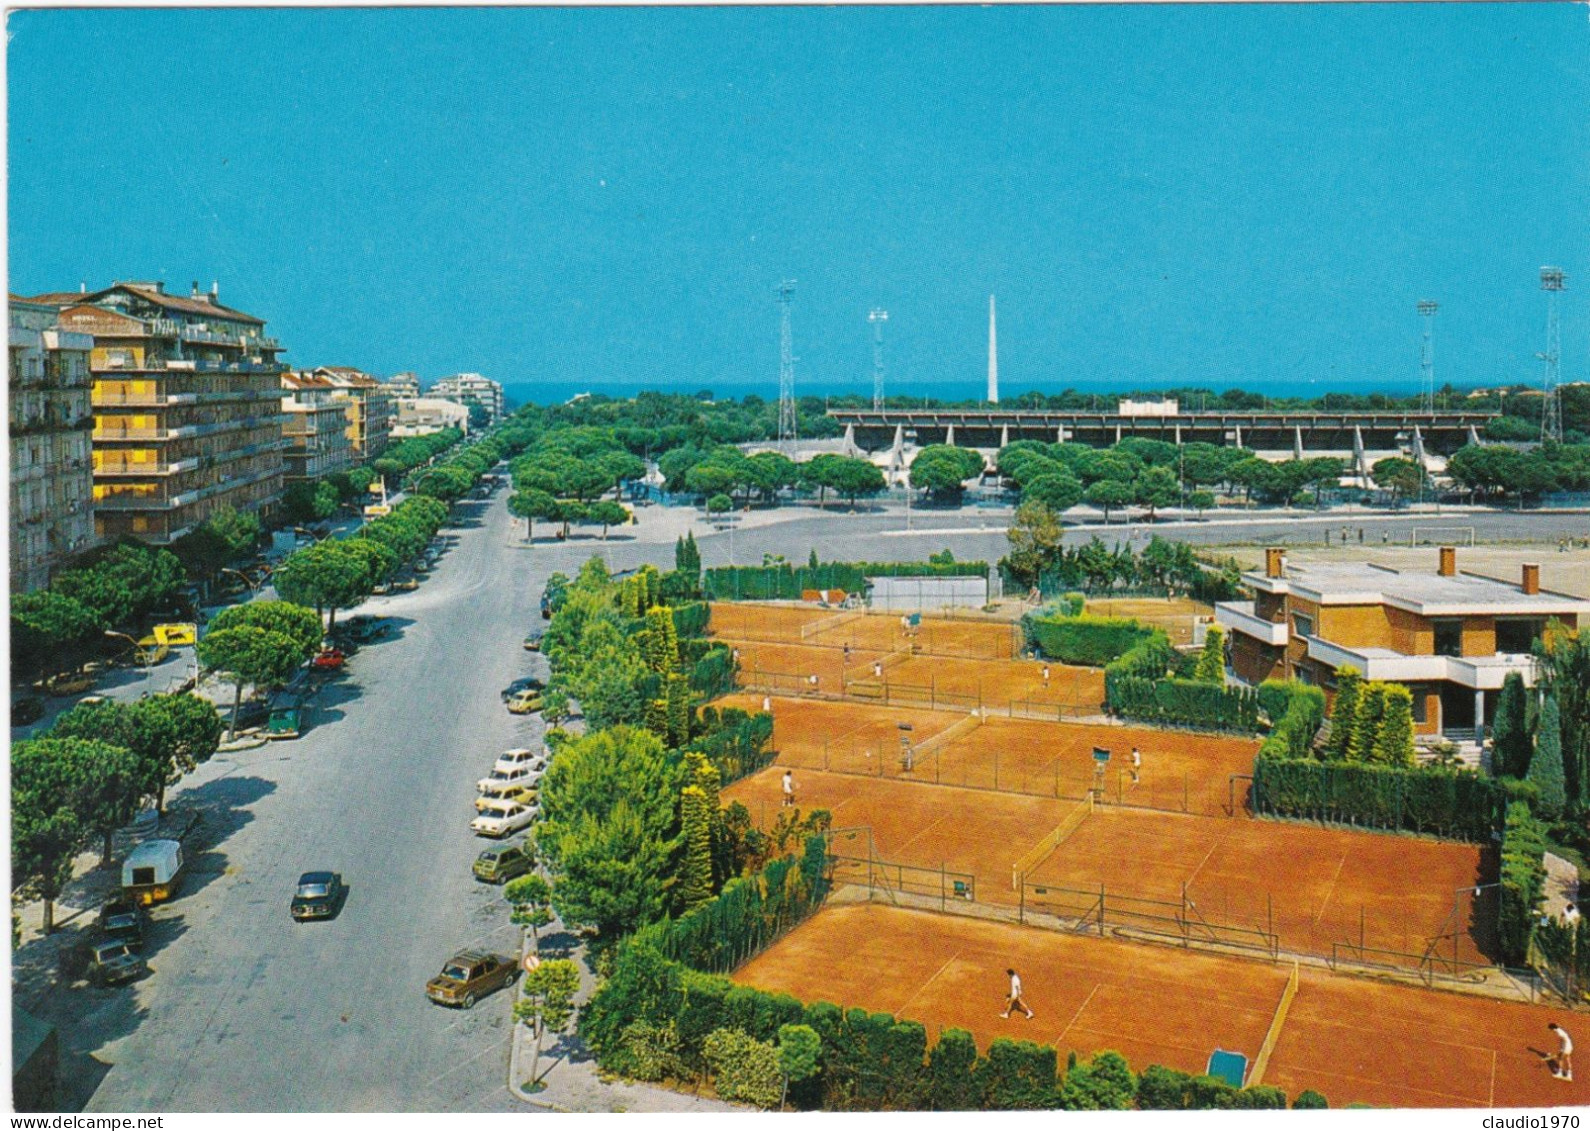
[1441, 536]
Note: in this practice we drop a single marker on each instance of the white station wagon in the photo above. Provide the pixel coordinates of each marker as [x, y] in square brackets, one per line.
[522, 756]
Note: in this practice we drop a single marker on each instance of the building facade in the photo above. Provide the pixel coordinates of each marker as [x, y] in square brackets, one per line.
[403, 386]
[315, 426]
[421, 416]
[368, 406]
[52, 478]
[471, 388]
[1450, 637]
[187, 408]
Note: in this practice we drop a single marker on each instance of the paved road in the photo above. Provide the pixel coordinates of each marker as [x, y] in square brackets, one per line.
[247, 1010]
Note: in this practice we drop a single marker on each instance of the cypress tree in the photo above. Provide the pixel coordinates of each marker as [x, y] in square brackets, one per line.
[678, 695]
[1393, 744]
[1545, 768]
[662, 640]
[1366, 721]
[651, 582]
[657, 718]
[1344, 711]
[1212, 660]
[695, 886]
[1510, 746]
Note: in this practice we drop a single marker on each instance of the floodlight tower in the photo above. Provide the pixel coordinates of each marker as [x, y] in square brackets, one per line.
[877, 318]
[1552, 280]
[786, 370]
[1427, 311]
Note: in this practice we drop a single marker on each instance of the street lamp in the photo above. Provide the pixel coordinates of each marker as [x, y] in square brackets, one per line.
[138, 650]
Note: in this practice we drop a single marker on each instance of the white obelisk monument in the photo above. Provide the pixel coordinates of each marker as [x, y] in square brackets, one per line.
[993, 356]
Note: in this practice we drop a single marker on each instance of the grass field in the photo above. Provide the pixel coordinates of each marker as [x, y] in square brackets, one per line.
[1354, 1040]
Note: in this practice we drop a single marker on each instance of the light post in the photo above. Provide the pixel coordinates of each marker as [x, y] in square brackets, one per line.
[138, 651]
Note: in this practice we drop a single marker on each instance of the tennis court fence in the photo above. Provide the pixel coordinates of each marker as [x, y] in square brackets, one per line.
[1098, 910]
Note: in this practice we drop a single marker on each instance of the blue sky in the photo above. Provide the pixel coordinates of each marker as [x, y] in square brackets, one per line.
[1218, 195]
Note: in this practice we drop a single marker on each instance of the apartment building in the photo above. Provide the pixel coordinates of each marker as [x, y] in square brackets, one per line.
[420, 416]
[403, 386]
[1450, 636]
[315, 426]
[368, 406]
[471, 389]
[187, 408]
[52, 480]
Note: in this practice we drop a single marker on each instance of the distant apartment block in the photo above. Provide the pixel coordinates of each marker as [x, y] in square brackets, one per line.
[1451, 637]
[187, 408]
[471, 388]
[52, 479]
[368, 406]
[403, 386]
[420, 416]
[315, 425]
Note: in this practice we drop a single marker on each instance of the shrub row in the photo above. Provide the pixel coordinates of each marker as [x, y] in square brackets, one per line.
[1433, 800]
[786, 582]
[1090, 641]
[691, 619]
[713, 674]
[1183, 702]
[736, 742]
[1523, 879]
[1296, 712]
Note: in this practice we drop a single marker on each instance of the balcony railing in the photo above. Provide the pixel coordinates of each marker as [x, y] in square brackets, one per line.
[1480, 673]
[1239, 617]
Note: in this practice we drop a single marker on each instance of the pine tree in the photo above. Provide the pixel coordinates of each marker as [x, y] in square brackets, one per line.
[1510, 746]
[695, 886]
[1366, 722]
[1212, 660]
[662, 640]
[657, 718]
[687, 558]
[701, 773]
[1344, 712]
[1393, 744]
[1545, 768]
[811, 562]
[678, 695]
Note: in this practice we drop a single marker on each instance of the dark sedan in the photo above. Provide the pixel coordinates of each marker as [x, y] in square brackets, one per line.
[319, 895]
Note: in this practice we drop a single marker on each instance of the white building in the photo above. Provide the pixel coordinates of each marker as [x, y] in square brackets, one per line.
[471, 388]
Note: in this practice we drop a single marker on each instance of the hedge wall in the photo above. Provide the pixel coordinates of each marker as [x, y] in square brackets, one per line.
[691, 619]
[713, 673]
[1565, 947]
[1090, 641]
[1523, 879]
[786, 582]
[1296, 712]
[1442, 802]
[1183, 702]
[737, 743]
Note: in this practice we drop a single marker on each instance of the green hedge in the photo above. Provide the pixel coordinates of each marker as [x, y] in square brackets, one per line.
[1565, 947]
[786, 582]
[1523, 879]
[1296, 712]
[1433, 800]
[736, 742]
[691, 619]
[713, 673]
[1090, 641]
[1183, 702]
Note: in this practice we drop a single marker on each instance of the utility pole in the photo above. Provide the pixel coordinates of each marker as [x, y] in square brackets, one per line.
[877, 318]
[786, 371]
[1427, 311]
[1552, 281]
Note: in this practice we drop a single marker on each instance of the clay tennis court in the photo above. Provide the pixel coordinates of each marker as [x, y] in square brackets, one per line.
[1173, 614]
[1312, 887]
[876, 632]
[1351, 1039]
[939, 680]
[1264, 884]
[1180, 772]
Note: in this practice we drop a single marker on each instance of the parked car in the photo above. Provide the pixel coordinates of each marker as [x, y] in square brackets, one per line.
[285, 722]
[468, 976]
[329, 660]
[406, 584]
[319, 896]
[363, 629]
[525, 703]
[380, 589]
[124, 920]
[26, 709]
[68, 683]
[502, 778]
[532, 643]
[528, 683]
[520, 756]
[502, 818]
[523, 794]
[501, 864]
[107, 962]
